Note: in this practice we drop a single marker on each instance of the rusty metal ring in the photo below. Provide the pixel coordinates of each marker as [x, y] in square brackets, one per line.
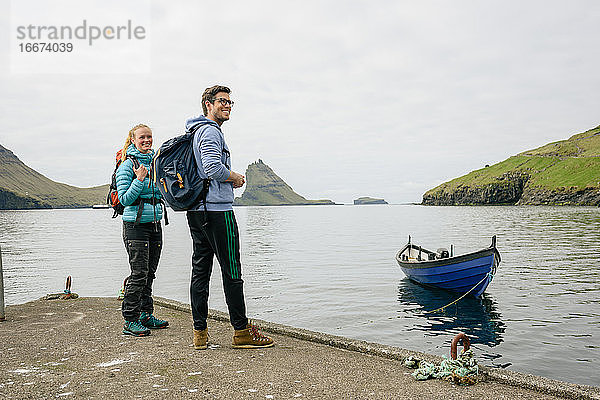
[465, 342]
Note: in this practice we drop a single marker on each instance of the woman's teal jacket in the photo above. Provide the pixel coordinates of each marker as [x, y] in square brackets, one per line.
[130, 188]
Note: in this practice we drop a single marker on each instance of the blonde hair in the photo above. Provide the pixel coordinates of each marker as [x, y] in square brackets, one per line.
[129, 139]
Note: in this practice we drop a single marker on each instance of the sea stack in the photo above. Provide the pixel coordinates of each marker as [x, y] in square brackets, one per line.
[265, 188]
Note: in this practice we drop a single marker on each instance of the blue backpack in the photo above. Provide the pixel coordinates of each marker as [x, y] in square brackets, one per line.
[175, 173]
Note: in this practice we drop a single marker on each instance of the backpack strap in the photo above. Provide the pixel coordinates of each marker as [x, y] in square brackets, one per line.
[164, 207]
[134, 160]
[140, 203]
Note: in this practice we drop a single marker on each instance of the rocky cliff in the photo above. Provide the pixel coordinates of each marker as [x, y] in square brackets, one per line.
[566, 172]
[21, 187]
[265, 188]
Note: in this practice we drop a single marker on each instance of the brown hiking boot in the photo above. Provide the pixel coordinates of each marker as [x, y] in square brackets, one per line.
[201, 339]
[250, 338]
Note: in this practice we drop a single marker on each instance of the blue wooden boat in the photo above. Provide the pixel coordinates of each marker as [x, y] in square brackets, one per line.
[468, 273]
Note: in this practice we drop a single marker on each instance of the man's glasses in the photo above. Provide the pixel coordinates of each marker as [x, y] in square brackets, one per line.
[225, 102]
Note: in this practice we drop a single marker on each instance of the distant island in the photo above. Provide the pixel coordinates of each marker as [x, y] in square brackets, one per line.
[21, 187]
[566, 172]
[369, 200]
[265, 188]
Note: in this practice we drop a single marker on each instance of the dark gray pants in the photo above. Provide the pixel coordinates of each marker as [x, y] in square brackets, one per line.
[143, 243]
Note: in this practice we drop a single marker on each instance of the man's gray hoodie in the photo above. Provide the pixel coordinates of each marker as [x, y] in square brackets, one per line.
[213, 160]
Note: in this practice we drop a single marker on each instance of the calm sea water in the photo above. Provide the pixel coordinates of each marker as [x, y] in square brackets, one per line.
[332, 269]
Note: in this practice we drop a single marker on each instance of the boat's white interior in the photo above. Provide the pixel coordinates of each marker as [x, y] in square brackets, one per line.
[417, 254]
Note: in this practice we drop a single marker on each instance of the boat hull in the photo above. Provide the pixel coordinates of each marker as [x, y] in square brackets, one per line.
[471, 272]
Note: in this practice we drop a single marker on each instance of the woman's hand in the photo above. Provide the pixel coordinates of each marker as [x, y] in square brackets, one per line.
[141, 172]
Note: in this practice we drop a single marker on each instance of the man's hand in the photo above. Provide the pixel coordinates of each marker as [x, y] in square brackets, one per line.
[237, 179]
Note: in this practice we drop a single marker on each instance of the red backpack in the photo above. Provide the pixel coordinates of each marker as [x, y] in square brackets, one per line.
[112, 199]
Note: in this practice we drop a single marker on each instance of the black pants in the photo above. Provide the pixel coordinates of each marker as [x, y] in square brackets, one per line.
[219, 237]
[143, 243]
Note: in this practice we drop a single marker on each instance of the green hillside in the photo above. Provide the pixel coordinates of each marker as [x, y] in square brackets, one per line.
[566, 172]
[265, 188]
[22, 188]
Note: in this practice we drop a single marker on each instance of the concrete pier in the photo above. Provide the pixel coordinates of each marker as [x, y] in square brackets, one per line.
[75, 349]
[2, 310]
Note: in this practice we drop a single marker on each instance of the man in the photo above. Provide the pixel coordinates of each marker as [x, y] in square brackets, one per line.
[215, 232]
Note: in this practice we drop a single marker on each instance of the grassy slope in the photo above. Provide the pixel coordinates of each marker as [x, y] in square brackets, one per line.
[572, 163]
[24, 182]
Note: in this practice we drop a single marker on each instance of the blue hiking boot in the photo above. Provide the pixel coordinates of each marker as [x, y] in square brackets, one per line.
[150, 321]
[134, 328]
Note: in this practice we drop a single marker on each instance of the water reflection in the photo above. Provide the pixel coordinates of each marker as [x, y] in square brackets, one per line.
[477, 318]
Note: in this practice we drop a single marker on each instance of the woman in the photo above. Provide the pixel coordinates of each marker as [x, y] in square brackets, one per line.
[142, 232]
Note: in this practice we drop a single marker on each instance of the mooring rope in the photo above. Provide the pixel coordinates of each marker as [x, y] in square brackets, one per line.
[464, 370]
[489, 274]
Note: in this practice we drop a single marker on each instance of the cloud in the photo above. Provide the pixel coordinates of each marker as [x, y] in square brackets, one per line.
[380, 98]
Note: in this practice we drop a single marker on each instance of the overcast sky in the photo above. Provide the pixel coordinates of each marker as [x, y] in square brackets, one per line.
[341, 98]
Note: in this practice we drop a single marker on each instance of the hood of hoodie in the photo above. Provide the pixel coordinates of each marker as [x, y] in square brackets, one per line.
[194, 123]
[146, 158]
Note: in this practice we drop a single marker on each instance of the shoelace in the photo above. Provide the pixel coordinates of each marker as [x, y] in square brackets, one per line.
[136, 325]
[153, 320]
[255, 333]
